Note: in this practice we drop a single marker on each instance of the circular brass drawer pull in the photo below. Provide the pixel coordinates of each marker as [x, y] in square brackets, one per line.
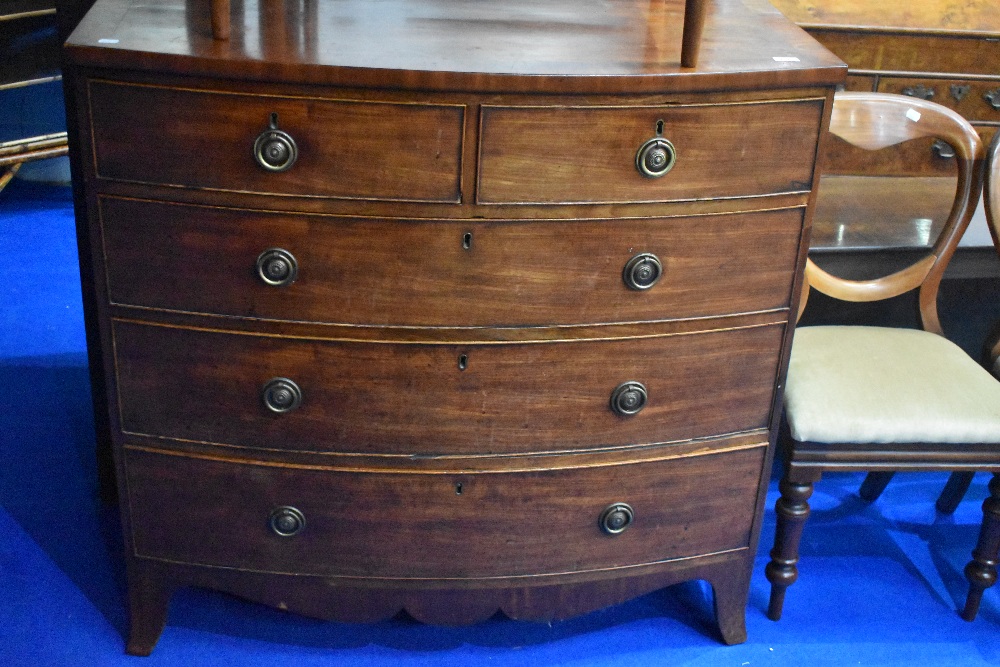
[286, 521]
[277, 267]
[274, 149]
[642, 271]
[655, 157]
[281, 395]
[628, 398]
[616, 518]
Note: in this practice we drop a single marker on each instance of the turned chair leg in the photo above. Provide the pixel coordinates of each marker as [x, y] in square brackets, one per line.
[792, 510]
[874, 484]
[953, 492]
[982, 570]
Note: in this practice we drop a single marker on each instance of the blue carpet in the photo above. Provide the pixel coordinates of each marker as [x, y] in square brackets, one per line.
[879, 584]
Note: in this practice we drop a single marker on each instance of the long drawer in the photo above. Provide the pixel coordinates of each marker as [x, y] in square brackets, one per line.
[589, 154]
[427, 399]
[343, 148]
[447, 525]
[445, 272]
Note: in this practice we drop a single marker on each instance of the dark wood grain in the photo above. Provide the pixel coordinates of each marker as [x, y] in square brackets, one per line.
[416, 400]
[513, 273]
[401, 526]
[589, 155]
[203, 139]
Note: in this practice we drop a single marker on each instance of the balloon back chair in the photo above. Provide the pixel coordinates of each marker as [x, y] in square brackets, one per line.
[959, 482]
[861, 398]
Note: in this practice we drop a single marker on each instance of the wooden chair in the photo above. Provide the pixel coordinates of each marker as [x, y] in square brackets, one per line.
[959, 482]
[884, 399]
[694, 21]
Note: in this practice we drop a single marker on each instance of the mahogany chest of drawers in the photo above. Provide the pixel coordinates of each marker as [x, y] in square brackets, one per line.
[450, 307]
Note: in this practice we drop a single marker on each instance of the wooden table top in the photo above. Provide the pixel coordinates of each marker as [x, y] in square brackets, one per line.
[594, 46]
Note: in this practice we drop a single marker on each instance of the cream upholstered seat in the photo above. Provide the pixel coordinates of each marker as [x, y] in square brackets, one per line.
[880, 385]
[882, 399]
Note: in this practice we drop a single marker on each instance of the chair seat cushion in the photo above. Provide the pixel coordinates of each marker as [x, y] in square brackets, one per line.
[849, 384]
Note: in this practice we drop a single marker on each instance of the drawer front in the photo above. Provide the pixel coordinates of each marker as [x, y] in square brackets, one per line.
[915, 52]
[576, 154]
[442, 399]
[349, 149]
[438, 525]
[433, 273]
[975, 100]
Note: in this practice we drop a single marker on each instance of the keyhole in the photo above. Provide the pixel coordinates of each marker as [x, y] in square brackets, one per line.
[659, 128]
[274, 120]
[463, 361]
[458, 489]
[467, 241]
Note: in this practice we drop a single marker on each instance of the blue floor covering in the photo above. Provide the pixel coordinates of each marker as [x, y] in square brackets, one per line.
[879, 583]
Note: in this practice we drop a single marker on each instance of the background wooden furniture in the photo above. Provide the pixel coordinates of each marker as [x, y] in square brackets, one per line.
[941, 50]
[466, 308]
[878, 398]
[30, 53]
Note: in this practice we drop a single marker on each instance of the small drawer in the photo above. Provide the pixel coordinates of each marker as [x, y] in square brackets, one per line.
[429, 399]
[974, 100]
[554, 155]
[336, 148]
[447, 525]
[446, 272]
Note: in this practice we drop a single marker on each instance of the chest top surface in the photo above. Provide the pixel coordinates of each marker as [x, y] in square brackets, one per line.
[590, 46]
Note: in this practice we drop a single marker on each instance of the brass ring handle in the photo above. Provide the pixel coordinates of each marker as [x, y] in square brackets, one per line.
[281, 395]
[616, 518]
[655, 158]
[286, 521]
[628, 398]
[277, 267]
[642, 271]
[274, 149]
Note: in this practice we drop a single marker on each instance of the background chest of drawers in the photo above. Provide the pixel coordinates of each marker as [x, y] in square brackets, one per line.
[947, 51]
[455, 309]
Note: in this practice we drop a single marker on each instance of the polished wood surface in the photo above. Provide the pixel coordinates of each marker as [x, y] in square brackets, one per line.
[355, 526]
[896, 212]
[486, 273]
[625, 46]
[467, 196]
[961, 16]
[417, 399]
[744, 140]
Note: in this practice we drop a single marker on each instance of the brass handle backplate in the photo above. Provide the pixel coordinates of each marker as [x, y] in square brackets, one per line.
[993, 98]
[274, 149]
[920, 91]
[277, 267]
[286, 521]
[656, 157]
[628, 398]
[616, 518]
[281, 395]
[642, 271]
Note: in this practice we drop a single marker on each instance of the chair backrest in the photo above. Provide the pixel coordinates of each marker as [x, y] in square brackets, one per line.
[877, 120]
[991, 190]
[991, 195]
